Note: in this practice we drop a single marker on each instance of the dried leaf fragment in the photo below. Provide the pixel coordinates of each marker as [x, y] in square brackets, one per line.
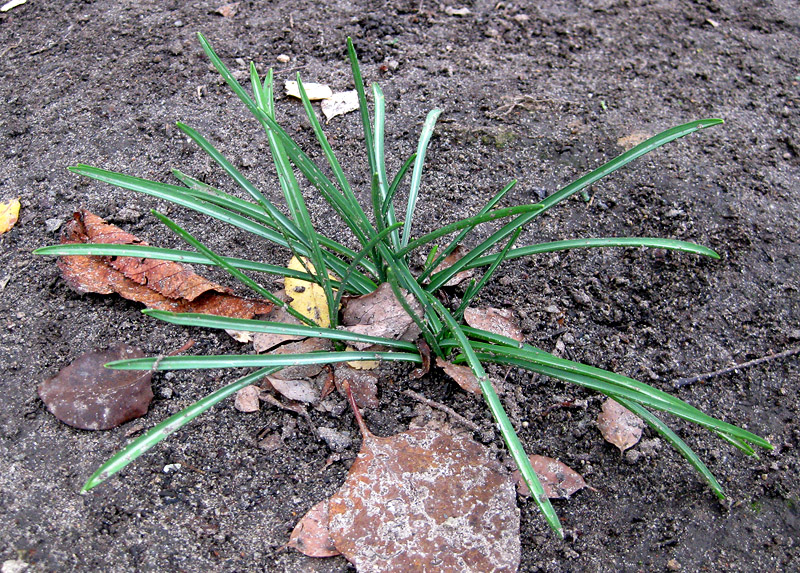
[313, 91]
[379, 313]
[263, 341]
[9, 214]
[451, 259]
[496, 320]
[247, 399]
[339, 104]
[311, 535]
[157, 284]
[424, 500]
[88, 396]
[619, 425]
[363, 384]
[462, 375]
[558, 479]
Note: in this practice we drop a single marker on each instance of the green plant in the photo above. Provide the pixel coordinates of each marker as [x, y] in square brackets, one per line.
[385, 245]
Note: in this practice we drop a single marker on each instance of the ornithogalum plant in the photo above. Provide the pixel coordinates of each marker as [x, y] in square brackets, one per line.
[382, 256]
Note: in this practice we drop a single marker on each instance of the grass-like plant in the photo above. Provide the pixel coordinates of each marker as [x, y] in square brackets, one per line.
[382, 256]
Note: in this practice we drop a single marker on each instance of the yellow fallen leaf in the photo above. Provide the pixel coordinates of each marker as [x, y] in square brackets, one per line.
[9, 213]
[361, 364]
[307, 298]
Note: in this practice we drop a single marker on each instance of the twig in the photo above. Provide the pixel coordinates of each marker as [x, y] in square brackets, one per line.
[446, 409]
[681, 382]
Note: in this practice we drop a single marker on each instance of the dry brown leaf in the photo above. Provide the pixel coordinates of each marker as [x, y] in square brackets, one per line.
[496, 320]
[304, 346]
[363, 384]
[247, 399]
[558, 479]
[263, 341]
[9, 215]
[462, 375]
[424, 500]
[88, 396]
[449, 261]
[157, 284]
[379, 313]
[619, 425]
[311, 535]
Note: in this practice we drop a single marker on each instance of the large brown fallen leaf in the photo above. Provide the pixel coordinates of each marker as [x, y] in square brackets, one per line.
[88, 396]
[422, 500]
[157, 284]
[462, 375]
[311, 536]
[497, 320]
[558, 479]
[379, 313]
[619, 425]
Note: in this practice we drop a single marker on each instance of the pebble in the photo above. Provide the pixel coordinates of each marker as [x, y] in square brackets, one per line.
[14, 566]
[336, 440]
[673, 565]
[52, 225]
[283, 59]
[169, 468]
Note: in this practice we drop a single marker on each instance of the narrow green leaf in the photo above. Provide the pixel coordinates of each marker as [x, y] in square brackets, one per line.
[249, 325]
[654, 243]
[416, 176]
[362, 106]
[666, 432]
[431, 265]
[239, 275]
[500, 416]
[257, 360]
[166, 428]
[396, 183]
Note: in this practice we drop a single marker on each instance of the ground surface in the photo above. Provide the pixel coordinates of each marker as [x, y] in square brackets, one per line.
[536, 94]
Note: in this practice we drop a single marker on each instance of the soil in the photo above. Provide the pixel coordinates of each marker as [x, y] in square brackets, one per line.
[539, 94]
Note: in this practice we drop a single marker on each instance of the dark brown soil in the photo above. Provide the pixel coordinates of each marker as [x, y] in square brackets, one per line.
[104, 82]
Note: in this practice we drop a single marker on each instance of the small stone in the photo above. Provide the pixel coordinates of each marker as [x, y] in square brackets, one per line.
[169, 468]
[337, 441]
[14, 566]
[673, 565]
[632, 456]
[283, 59]
[393, 64]
[166, 392]
[178, 23]
[52, 225]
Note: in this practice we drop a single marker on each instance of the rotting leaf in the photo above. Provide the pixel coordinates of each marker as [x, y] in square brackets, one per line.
[163, 285]
[425, 354]
[558, 479]
[9, 215]
[426, 500]
[88, 396]
[361, 364]
[496, 320]
[451, 259]
[619, 425]
[301, 390]
[306, 297]
[363, 384]
[304, 346]
[311, 535]
[313, 91]
[339, 104]
[379, 313]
